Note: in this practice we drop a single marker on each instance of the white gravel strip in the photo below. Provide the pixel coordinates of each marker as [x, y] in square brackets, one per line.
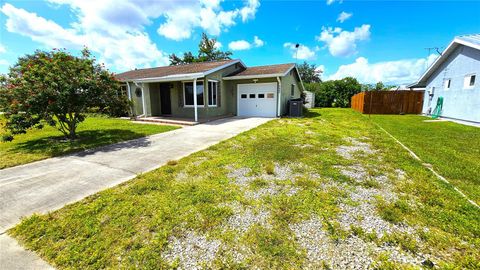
[191, 250]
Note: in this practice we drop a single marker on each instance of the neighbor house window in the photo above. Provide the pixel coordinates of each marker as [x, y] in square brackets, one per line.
[212, 93]
[188, 93]
[446, 84]
[469, 81]
[292, 90]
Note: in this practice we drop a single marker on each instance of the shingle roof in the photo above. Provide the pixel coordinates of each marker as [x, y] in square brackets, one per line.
[266, 70]
[172, 70]
[473, 38]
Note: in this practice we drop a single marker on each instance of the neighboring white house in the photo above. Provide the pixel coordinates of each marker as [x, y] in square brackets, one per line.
[455, 77]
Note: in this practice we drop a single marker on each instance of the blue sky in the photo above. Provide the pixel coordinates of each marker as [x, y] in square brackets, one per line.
[371, 40]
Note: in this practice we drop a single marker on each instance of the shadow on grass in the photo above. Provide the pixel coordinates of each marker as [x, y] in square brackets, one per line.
[87, 139]
[311, 114]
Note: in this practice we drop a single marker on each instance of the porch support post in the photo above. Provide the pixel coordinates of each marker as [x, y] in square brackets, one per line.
[130, 99]
[144, 103]
[279, 97]
[195, 99]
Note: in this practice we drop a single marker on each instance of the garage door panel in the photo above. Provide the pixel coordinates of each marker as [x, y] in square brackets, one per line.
[257, 99]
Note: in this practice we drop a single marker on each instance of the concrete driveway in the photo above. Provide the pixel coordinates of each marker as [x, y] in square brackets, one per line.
[47, 185]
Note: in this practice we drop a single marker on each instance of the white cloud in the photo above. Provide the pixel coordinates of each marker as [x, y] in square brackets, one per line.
[218, 45]
[397, 72]
[239, 45]
[181, 17]
[341, 42]
[303, 53]
[344, 16]
[329, 2]
[248, 11]
[119, 49]
[208, 15]
[258, 42]
[320, 69]
[2, 49]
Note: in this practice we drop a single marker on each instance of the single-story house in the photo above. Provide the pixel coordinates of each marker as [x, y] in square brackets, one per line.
[454, 76]
[209, 90]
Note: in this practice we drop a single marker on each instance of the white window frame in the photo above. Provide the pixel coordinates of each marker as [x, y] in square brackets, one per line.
[184, 99]
[208, 93]
[447, 83]
[466, 81]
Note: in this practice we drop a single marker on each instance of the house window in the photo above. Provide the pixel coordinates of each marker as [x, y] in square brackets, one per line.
[252, 95]
[446, 84]
[292, 90]
[261, 95]
[243, 96]
[469, 81]
[212, 93]
[188, 93]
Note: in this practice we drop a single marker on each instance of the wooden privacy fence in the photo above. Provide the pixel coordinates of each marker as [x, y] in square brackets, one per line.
[388, 102]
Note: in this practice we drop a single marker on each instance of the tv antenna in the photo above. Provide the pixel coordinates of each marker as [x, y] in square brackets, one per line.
[430, 49]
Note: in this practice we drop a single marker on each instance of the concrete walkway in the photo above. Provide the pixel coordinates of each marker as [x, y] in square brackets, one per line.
[48, 185]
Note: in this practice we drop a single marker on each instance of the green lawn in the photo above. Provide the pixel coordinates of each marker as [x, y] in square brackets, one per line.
[48, 142]
[317, 192]
[452, 149]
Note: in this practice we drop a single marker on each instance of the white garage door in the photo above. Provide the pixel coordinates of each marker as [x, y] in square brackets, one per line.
[257, 99]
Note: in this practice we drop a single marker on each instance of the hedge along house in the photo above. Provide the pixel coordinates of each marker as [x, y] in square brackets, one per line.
[454, 76]
[205, 91]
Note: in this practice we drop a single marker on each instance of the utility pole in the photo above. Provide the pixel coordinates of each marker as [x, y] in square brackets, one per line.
[296, 53]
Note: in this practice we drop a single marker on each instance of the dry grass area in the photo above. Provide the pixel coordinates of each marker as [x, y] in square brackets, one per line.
[328, 191]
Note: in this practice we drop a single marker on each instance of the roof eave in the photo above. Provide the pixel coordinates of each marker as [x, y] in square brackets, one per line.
[170, 78]
[243, 77]
[186, 76]
[439, 60]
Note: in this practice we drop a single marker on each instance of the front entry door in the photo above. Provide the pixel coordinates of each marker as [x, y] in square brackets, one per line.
[166, 104]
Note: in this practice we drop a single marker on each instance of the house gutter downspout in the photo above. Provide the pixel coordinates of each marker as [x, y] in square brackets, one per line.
[130, 98]
[144, 103]
[279, 95]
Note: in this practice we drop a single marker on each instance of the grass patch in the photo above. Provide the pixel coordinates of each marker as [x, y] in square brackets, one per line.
[48, 142]
[131, 225]
[451, 148]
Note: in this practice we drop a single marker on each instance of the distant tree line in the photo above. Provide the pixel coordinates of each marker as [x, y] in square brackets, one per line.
[334, 93]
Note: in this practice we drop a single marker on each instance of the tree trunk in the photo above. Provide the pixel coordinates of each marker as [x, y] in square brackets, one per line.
[72, 129]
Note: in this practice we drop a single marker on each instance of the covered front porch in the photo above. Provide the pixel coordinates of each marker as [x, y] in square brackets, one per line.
[182, 101]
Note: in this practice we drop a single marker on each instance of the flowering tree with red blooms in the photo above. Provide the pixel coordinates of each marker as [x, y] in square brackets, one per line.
[57, 88]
